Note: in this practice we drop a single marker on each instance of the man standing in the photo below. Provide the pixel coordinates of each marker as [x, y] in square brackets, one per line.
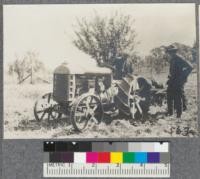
[122, 67]
[178, 72]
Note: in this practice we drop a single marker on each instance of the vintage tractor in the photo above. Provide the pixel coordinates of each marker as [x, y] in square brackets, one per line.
[87, 95]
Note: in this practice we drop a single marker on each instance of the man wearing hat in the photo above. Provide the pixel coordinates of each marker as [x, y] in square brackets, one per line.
[179, 70]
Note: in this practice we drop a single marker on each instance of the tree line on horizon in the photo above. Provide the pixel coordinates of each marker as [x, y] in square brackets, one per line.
[104, 38]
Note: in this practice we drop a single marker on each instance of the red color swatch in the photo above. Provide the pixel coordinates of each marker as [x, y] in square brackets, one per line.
[103, 157]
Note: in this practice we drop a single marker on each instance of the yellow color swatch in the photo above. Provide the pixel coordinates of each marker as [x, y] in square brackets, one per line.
[116, 157]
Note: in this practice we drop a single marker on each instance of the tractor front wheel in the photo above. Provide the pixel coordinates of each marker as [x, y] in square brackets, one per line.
[87, 108]
[46, 107]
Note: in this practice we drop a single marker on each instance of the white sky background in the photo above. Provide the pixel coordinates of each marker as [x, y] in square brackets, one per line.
[48, 29]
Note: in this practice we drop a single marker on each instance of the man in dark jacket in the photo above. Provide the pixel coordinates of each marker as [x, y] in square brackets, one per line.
[122, 67]
[178, 72]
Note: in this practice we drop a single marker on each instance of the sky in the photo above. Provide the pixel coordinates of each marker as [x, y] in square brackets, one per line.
[49, 29]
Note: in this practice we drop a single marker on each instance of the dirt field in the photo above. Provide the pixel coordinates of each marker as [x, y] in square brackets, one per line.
[19, 120]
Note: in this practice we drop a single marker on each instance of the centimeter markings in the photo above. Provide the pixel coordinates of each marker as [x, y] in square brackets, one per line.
[106, 170]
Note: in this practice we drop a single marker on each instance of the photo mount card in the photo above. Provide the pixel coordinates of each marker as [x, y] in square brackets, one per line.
[100, 71]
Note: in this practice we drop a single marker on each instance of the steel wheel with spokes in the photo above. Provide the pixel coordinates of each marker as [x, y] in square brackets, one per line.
[87, 108]
[46, 107]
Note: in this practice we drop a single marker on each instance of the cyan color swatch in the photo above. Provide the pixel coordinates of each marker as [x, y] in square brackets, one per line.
[140, 157]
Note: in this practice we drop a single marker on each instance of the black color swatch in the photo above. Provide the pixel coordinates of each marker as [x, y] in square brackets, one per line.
[48, 146]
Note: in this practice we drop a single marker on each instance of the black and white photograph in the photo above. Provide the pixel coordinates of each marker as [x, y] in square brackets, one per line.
[100, 71]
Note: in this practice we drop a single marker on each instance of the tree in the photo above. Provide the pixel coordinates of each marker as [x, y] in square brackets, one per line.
[103, 38]
[194, 55]
[26, 65]
[17, 67]
[157, 59]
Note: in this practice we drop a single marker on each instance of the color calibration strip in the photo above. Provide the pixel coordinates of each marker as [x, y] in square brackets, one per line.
[105, 159]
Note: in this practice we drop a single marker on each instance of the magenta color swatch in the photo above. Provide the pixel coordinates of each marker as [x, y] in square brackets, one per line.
[92, 157]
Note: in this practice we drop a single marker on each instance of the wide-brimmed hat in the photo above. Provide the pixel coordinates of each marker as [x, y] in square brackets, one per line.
[171, 48]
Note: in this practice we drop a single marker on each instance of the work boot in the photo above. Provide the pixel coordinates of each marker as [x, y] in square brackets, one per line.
[178, 121]
[168, 114]
[178, 116]
[184, 108]
[133, 122]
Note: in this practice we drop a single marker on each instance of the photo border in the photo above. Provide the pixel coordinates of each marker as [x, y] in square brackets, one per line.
[179, 146]
[21, 2]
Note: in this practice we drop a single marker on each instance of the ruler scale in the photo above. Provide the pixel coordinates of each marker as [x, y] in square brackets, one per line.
[106, 160]
[96, 170]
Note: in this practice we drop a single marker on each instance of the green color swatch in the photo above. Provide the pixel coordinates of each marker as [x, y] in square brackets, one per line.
[128, 157]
